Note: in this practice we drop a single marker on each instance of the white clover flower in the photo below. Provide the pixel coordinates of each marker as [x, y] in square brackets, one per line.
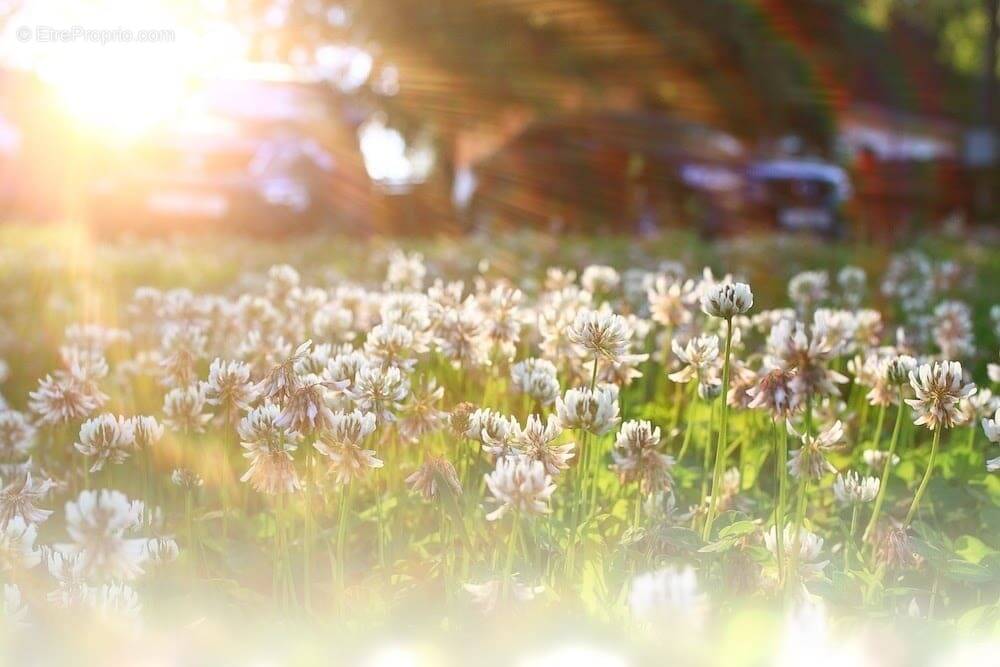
[116, 601]
[341, 445]
[537, 378]
[669, 595]
[486, 596]
[939, 389]
[15, 610]
[853, 283]
[98, 522]
[269, 448]
[147, 431]
[809, 460]
[186, 479]
[810, 546]
[161, 550]
[405, 271]
[952, 329]
[636, 456]
[19, 498]
[436, 473]
[229, 386]
[601, 334]
[107, 438]
[184, 409]
[62, 398]
[585, 410]
[306, 408]
[282, 379]
[536, 441]
[809, 288]
[775, 394]
[181, 347]
[17, 546]
[521, 485]
[380, 391]
[791, 349]
[598, 279]
[991, 427]
[69, 571]
[837, 328]
[498, 433]
[17, 435]
[853, 488]
[699, 356]
[421, 414]
[502, 311]
[726, 300]
[671, 301]
[393, 345]
[876, 459]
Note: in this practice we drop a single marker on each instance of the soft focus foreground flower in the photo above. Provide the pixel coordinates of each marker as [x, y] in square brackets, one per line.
[585, 410]
[520, 485]
[726, 300]
[670, 595]
[939, 388]
[98, 522]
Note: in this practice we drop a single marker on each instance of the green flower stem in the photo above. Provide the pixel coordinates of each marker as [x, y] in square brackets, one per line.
[781, 472]
[927, 477]
[849, 543]
[707, 460]
[381, 522]
[307, 529]
[884, 481]
[346, 493]
[508, 565]
[720, 450]
[688, 429]
[879, 423]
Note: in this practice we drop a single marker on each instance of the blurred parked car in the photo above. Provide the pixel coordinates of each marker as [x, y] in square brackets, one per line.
[623, 171]
[798, 195]
[254, 154]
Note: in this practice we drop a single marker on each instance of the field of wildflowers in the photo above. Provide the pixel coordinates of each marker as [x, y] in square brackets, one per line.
[520, 450]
